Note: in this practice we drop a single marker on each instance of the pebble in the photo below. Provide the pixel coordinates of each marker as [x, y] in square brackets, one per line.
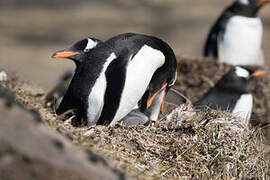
[3, 76]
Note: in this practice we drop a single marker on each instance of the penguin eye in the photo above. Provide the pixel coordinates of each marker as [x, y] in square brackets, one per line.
[86, 50]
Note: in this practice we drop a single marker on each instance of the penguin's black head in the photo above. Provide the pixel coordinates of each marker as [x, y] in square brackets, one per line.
[254, 3]
[238, 79]
[78, 50]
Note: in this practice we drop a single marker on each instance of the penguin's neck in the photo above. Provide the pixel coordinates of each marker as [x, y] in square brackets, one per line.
[243, 10]
[97, 93]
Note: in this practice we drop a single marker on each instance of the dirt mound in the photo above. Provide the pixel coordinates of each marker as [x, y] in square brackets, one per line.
[183, 146]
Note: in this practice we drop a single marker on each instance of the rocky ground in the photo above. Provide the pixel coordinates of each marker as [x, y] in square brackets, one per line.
[31, 150]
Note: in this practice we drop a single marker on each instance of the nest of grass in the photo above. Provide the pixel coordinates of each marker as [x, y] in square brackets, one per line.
[189, 145]
[196, 76]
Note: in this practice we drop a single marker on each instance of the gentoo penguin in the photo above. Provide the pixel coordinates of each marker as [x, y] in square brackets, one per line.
[59, 90]
[231, 93]
[236, 37]
[78, 50]
[125, 73]
[173, 97]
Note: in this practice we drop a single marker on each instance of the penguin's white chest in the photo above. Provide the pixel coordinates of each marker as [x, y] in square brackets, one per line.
[241, 43]
[96, 97]
[243, 107]
[138, 76]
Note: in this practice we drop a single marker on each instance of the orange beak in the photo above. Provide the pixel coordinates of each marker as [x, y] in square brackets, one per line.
[263, 2]
[64, 54]
[150, 101]
[258, 73]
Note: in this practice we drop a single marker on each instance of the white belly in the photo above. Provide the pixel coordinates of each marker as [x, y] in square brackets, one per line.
[241, 44]
[139, 73]
[96, 97]
[243, 107]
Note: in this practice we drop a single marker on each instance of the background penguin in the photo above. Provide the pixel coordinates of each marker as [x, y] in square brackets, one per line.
[111, 80]
[236, 37]
[59, 90]
[231, 93]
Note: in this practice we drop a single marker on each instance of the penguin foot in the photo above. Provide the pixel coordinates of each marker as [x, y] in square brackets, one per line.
[135, 118]
[150, 123]
[76, 122]
[67, 115]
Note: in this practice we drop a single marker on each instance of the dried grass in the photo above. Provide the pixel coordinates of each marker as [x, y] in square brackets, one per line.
[177, 148]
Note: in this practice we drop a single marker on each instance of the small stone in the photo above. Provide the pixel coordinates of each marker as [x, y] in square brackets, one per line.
[89, 132]
[3, 76]
[33, 91]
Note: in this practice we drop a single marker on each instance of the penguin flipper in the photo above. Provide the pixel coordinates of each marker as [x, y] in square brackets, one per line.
[210, 48]
[67, 103]
[175, 98]
[115, 75]
[77, 111]
[216, 33]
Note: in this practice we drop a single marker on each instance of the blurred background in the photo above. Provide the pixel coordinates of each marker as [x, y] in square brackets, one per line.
[31, 30]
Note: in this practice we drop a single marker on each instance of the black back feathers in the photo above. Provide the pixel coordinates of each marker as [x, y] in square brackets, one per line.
[227, 91]
[115, 75]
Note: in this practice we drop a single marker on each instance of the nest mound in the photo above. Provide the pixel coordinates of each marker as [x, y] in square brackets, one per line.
[180, 147]
[196, 76]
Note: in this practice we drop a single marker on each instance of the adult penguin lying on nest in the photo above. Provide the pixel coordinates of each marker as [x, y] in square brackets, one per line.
[127, 73]
[231, 93]
[236, 37]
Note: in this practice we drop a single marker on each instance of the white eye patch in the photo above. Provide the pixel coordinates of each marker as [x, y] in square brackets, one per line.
[90, 45]
[243, 1]
[241, 72]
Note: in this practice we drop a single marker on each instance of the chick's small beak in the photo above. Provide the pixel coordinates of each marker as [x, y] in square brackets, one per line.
[263, 2]
[258, 73]
[64, 54]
